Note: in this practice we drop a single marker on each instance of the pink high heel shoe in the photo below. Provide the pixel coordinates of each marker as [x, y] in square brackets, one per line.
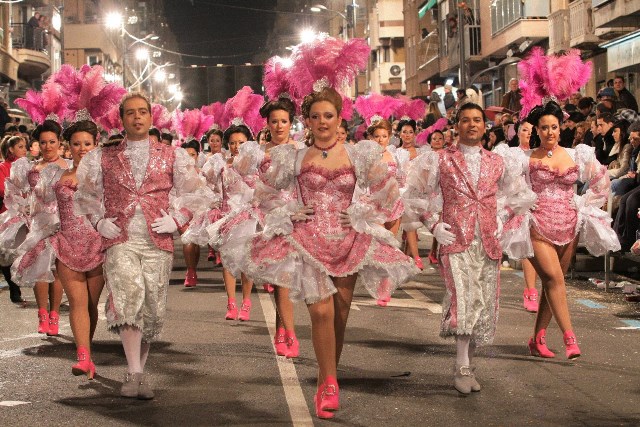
[293, 345]
[268, 288]
[538, 347]
[43, 321]
[571, 345]
[245, 310]
[84, 366]
[530, 298]
[280, 342]
[191, 279]
[232, 310]
[419, 263]
[54, 317]
[326, 398]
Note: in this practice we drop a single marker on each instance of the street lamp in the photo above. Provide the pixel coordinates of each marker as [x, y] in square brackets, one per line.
[114, 20]
[142, 54]
[307, 35]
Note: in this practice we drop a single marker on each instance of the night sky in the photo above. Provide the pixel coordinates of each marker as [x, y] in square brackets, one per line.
[231, 31]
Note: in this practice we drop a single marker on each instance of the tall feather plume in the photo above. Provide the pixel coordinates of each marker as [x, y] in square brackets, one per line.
[375, 106]
[217, 111]
[191, 124]
[41, 105]
[68, 78]
[347, 108]
[423, 137]
[276, 77]
[161, 118]
[244, 107]
[413, 109]
[554, 76]
[111, 122]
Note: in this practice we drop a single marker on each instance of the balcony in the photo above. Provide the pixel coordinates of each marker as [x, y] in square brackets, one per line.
[30, 48]
[617, 14]
[581, 26]
[559, 31]
[513, 22]
[427, 57]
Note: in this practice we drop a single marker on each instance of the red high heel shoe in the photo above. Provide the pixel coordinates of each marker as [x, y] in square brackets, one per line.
[54, 317]
[322, 400]
[293, 345]
[191, 279]
[245, 310]
[331, 399]
[232, 310]
[433, 259]
[84, 366]
[43, 321]
[211, 255]
[571, 345]
[268, 288]
[538, 347]
[280, 342]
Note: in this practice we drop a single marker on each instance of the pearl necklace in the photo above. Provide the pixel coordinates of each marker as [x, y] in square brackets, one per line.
[325, 151]
[550, 152]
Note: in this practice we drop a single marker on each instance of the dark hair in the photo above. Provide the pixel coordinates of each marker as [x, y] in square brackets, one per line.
[634, 127]
[131, 96]
[434, 132]
[114, 139]
[499, 133]
[267, 135]
[10, 142]
[81, 126]
[551, 108]
[585, 102]
[470, 106]
[22, 129]
[461, 92]
[326, 94]
[47, 126]
[606, 117]
[191, 144]
[284, 104]
[235, 129]
[166, 136]
[214, 132]
[381, 124]
[345, 125]
[11, 128]
[155, 132]
[619, 77]
[404, 123]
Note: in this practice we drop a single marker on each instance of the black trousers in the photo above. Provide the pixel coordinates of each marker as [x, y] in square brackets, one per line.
[627, 222]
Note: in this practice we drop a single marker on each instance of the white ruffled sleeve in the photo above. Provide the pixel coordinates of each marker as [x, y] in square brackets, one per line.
[212, 172]
[45, 220]
[422, 195]
[269, 195]
[594, 224]
[250, 156]
[186, 182]
[89, 198]
[376, 192]
[17, 190]
[515, 201]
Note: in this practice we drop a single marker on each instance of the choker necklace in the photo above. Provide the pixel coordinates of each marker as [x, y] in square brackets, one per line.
[325, 151]
[550, 152]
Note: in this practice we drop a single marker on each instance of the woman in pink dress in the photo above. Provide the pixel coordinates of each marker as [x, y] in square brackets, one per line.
[74, 251]
[24, 177]
[321, 243]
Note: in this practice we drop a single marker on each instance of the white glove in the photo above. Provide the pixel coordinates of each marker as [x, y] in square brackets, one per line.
[498, 232]
[108, 229]
[303, 214]
[443, 235]
[345, 219]
[164, 224]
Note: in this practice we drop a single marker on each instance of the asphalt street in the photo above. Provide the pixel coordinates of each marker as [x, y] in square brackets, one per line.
[395, 369]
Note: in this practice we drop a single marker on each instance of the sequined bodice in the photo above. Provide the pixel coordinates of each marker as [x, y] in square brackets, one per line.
[329, 192]
[555, 216]
[64, 195]
[552, 184]
[33, 176]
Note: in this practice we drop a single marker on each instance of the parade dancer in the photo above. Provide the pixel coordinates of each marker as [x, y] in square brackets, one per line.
[127, 185]
[235, 179]
[456, 192]
[548, 235]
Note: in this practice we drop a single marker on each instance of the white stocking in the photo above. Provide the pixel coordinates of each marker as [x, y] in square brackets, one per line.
[144, 353]
[462, 350]
[131, 338]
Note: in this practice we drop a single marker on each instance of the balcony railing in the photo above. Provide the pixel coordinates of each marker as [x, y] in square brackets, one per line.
[559, 30]
[581, 25]
[24, 36]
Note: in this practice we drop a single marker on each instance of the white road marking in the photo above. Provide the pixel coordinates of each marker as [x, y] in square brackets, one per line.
[628, 328]
[428, 303]
[298, 408]
[13, 403]
[35, 335]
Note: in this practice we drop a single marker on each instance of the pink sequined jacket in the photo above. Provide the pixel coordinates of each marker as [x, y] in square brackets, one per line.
[439, 189]
[106, 188]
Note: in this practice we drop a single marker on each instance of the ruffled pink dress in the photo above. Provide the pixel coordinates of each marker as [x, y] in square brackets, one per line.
[305, 258]
[555, 216]
[397, 209]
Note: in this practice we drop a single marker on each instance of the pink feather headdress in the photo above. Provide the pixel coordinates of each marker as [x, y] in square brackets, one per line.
[111, 122]
[161, 118]
[411, 109]
[375, 107]
[217, 111]
[553, 77]
[276, 79]
[191, 124]
[423, 137]
[50, 104]
[244, 109]
[89, 96]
